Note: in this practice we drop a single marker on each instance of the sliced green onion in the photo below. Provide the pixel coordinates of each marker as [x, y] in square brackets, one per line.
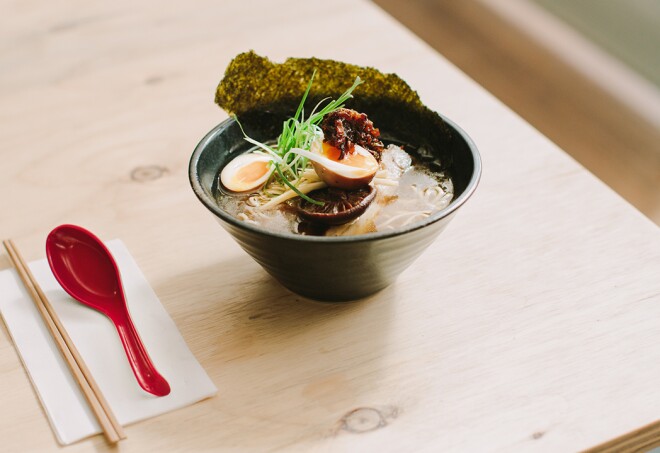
[295, 189]
[300, 133]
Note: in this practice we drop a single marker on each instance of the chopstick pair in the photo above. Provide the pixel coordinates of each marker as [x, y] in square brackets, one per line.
[112, 430]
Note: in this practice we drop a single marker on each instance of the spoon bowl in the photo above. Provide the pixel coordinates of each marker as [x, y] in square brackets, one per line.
[86, 270]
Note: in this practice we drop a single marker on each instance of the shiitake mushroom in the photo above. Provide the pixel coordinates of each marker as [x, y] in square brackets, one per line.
[339, 205]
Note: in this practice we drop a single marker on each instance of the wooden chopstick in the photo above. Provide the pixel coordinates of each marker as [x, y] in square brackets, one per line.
[112, 430]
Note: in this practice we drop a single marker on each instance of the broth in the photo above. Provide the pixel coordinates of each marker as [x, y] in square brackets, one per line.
[409, 188]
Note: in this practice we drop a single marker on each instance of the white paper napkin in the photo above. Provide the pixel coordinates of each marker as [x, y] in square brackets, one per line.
[97, 341]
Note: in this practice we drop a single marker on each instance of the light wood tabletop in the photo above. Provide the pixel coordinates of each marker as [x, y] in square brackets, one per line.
[531, 324]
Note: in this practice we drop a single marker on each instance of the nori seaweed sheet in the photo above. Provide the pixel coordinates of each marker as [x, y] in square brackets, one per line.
[253, 86]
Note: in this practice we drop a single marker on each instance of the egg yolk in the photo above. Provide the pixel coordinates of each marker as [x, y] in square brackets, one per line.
[251, 172]
[350, 158]
[332, 152]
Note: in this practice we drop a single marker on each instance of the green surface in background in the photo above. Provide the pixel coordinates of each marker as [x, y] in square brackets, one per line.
[627, 29]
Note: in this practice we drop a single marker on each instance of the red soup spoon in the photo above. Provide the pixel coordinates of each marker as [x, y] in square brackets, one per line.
[86, 270]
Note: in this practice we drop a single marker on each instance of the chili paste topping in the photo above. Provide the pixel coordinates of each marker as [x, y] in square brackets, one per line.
[345, 128]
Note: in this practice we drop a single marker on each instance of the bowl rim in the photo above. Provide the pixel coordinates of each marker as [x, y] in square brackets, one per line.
[443, 213]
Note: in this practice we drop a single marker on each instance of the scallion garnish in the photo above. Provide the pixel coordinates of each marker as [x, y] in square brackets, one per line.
[298, 132]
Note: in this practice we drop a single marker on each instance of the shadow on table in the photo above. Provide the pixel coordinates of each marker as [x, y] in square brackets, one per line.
[281, 362]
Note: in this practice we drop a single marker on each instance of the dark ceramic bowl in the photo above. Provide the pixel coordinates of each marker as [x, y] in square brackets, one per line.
[349, 267]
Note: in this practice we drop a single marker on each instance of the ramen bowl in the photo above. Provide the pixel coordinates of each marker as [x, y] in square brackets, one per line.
[340, 268]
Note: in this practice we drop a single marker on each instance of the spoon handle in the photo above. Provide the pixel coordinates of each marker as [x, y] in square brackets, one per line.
[145, 371]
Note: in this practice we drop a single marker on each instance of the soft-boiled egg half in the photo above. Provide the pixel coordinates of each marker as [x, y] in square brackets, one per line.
[355, 170]
[246, 172]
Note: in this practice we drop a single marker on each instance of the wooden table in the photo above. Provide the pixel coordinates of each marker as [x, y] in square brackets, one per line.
[531, 324]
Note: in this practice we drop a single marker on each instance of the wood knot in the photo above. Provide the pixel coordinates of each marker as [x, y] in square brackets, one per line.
[153, 80]
[148, 173]
[538, 435]
[365, 419]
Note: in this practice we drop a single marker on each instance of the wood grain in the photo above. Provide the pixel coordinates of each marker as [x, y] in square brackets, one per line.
[529, 325]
